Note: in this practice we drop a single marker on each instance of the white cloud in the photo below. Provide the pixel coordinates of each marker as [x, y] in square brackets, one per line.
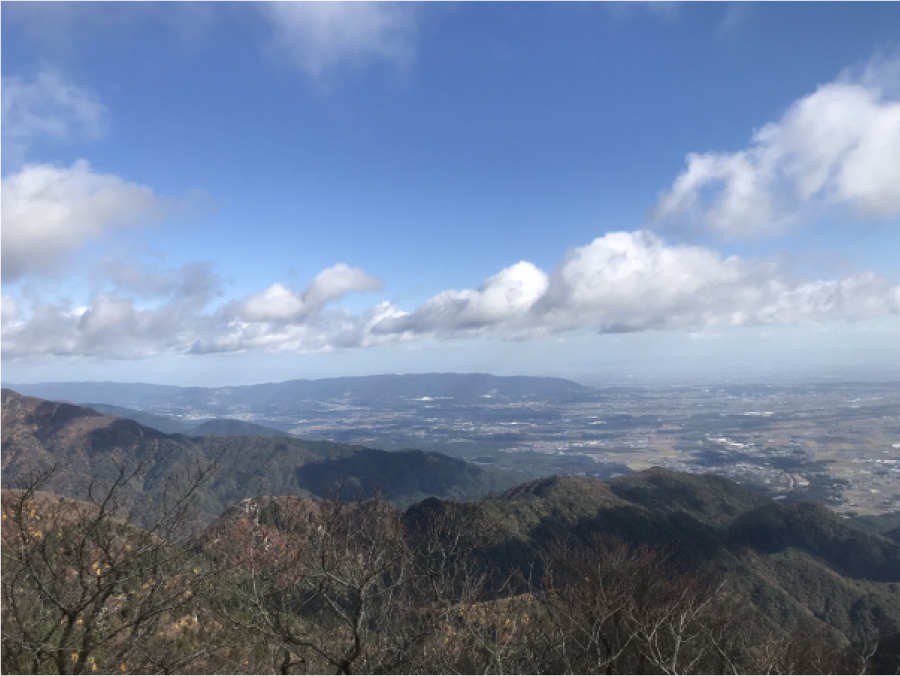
[9, 311]
[193, 281]
[504, 298]
[318, 332]
[321, 37]
[839, 146]
[110, 326]
[107, 316]
[275, 303]
[49, 211]
[621, 282]
[48, 107]
[173, 316]
[147, 313]
[334, 282]
[633, 281]
[281, 304]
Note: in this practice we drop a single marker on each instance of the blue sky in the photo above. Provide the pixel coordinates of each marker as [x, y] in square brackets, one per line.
[241, 192]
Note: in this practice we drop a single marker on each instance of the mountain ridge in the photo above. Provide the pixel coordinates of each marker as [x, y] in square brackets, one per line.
[83, 444]
[464, 387]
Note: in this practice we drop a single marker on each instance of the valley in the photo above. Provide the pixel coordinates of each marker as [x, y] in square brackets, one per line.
[833, 443]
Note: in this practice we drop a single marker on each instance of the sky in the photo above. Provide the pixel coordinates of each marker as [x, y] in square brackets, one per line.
[234, 193]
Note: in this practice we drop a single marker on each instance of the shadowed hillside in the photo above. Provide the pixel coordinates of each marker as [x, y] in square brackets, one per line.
[83, 444]
[789, 561]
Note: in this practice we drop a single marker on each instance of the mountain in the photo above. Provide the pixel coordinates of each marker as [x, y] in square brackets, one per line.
[402, 477]
[294, 395]
[795, 571]
[224, 427]
[157, 422]
[130, 395]
[83, 444]
[893, 534]
[789, 562]
[879, 523]
[798, 570]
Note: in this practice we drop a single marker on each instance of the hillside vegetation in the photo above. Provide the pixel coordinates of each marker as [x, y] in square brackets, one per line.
[654, 572]
[83, 444]
[225, 427]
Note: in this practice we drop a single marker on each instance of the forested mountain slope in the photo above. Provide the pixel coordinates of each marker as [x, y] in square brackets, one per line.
[83, 444]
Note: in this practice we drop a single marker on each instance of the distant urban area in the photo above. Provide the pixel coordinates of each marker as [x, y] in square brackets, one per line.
[838, 444]
[834, 444]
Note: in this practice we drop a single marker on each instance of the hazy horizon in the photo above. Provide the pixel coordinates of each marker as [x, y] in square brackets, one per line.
[649, 379]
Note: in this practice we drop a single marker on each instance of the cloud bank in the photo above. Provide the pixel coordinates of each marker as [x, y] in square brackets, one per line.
[633, 281]
[837, 147]
[623, 281]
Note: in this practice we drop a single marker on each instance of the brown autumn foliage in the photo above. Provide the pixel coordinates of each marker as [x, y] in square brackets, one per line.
[289, 585]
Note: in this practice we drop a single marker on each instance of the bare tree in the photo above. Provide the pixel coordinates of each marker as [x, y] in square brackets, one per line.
[83, 590]
[355, 586]
[614, 608]
[324, 585]
[291, 585]
[481, 622]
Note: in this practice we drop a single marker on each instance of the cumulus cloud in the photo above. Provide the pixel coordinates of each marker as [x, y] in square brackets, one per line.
[195, 281]
[633, 281]
[9, 311]
[320, 332]
[49, 211]
[111, 327]
[621, 282]
[321, 37]
[48, 107]
[278, 303]
[144, 312]
[839, 146]
[504, 298]
[140, 312]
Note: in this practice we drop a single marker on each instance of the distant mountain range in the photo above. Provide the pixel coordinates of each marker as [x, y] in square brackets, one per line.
[83, 443]
[294, 395]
